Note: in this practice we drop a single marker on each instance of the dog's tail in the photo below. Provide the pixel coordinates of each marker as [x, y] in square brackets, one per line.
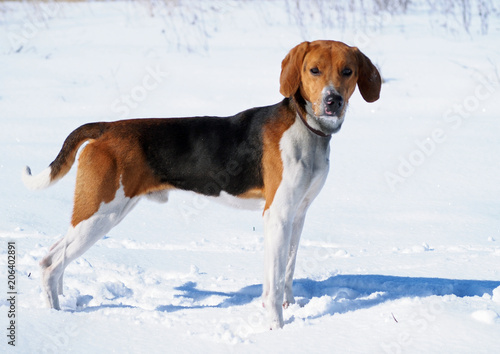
[66, 157]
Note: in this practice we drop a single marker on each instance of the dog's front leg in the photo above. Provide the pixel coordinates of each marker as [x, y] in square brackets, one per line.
[277, 237]
[297, 227]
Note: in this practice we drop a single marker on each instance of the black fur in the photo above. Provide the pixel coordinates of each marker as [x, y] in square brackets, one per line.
[208, 154]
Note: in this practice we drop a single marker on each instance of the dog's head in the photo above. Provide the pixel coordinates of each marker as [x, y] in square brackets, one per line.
[324, 74]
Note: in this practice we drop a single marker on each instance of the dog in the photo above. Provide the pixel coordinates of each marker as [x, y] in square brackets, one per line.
[278, 155]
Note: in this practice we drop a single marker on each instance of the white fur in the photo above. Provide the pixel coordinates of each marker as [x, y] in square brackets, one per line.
[305, 167]
[158, 196]
[239, 203]
[40, 181]
[78, 240]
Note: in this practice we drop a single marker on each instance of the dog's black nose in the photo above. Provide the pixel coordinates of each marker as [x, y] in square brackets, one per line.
[333, 104]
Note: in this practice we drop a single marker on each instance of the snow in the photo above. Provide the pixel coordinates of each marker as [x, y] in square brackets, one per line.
[400, 251]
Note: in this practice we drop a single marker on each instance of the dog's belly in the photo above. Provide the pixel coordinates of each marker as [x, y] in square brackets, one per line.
[239, 203]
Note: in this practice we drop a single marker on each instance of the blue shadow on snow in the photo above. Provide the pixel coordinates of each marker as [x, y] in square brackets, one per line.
[350, 292]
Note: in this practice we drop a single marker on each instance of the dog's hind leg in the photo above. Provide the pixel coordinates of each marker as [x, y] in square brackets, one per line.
[77, 241]
[100, 204]
[60, 283]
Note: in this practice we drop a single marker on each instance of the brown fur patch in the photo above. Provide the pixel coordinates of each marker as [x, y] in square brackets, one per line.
[255, 193]
[97, 181]
[103, 165]
[271, 161]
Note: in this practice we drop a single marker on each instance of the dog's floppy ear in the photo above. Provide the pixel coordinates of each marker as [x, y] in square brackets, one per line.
[369, 80]
[290, 69]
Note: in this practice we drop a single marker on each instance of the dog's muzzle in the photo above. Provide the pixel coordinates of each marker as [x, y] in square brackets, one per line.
[333, 104]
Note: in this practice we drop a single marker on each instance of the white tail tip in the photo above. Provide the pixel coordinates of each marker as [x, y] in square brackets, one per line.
[40, 181]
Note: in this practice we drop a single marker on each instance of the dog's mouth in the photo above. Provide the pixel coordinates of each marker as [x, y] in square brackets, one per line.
[328, 112]
[330, 118]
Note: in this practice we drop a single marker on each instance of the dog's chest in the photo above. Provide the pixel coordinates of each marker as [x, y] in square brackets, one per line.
[305, 159]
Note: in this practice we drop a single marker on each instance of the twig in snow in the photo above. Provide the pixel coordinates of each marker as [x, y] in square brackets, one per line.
[394, 317]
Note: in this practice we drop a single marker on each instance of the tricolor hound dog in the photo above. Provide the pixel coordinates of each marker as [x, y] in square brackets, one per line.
[278, 154]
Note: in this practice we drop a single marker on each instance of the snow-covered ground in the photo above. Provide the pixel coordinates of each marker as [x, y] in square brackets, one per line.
[400, 252]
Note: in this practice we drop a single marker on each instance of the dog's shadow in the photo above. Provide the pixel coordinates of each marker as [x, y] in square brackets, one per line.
[347, 292]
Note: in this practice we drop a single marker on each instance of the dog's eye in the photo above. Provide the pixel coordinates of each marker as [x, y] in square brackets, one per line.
[346, 72]
[315, 71]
